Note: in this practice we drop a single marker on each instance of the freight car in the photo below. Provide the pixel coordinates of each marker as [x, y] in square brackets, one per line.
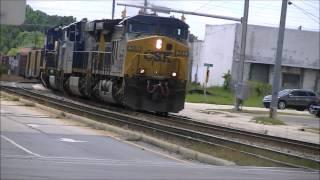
[22, 57]
[140, 62]
[4, 64]
[31, 63]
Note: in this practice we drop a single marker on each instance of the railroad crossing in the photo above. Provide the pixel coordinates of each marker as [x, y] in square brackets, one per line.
[111, 98]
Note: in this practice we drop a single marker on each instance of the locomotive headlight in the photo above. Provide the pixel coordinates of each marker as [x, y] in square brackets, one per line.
[159, 44]
[174, 74]
[142, 71]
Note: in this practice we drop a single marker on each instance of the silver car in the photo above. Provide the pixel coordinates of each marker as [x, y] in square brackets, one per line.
[298, 99]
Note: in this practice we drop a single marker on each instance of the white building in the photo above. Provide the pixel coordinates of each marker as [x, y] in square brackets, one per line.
[221, 47]
[196, 47]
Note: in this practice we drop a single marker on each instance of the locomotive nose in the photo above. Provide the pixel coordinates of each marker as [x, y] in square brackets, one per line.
[158, 56]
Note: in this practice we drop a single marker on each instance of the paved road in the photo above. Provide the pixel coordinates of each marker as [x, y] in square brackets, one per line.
[35, 145]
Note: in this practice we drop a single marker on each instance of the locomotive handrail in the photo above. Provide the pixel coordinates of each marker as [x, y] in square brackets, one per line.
[103, 52]
[51, 52]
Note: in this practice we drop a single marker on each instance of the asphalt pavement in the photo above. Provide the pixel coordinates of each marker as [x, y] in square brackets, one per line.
[37, 145]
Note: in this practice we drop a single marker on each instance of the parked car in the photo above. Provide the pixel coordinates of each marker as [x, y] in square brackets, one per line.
[298, 99]
[315, 109]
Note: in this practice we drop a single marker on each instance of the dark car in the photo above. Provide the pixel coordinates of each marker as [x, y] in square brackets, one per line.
[315, 109]
[298, 99]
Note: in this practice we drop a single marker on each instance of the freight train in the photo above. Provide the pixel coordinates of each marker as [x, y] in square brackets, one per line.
[140, 62]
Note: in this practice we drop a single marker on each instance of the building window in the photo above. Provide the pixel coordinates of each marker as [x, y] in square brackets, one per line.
[291, 81]
[259, 73]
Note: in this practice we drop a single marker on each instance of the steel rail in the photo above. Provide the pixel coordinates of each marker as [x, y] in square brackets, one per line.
[290, 144]
[178, 133]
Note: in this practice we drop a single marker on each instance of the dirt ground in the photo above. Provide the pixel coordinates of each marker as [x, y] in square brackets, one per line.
[15, 78]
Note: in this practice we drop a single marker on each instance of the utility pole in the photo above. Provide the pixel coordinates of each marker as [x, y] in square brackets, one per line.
[145, 5]
[277, 65]
[113, 7]
[240, 84]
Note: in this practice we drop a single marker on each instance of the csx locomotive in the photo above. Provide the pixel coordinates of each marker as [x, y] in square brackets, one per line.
[140, 62]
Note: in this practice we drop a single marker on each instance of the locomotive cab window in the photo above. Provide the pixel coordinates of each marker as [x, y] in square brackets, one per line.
[160, 29]
[178, 32]
[174, 32]
[141, 28]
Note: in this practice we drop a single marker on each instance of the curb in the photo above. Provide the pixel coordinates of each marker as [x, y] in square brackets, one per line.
[184, 152]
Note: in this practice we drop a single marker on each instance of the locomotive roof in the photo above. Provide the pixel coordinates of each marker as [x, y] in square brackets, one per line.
[151, 19]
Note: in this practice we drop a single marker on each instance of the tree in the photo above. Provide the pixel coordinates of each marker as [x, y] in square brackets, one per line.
[227, 80]
[31, 33]
[13, 52]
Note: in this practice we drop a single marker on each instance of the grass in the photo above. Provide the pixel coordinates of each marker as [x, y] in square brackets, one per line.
[12, 98]
[254, 101]
[30, 104]
[256, 112]
[61, 115]
[314, 130]
[268, 121]
[243, 111]
[221, 96]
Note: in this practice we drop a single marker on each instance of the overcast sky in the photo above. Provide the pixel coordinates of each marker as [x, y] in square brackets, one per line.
[303, 13]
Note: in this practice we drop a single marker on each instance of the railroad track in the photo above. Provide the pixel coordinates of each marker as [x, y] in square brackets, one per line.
[193, 134]
[251, 137]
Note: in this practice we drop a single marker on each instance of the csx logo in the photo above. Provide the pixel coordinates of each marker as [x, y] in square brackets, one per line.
[157, 56]
[134, 48]
[181, 53]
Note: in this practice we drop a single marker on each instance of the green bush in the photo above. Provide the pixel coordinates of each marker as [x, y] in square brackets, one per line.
[193, 85]
[3, 70]
[227, 81]
[260, 89]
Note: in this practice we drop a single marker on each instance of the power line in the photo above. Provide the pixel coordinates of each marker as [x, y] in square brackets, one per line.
[272, 17]
[203, 6]
[224, 6]
[310, 5]
[300, 8]
[315, 18]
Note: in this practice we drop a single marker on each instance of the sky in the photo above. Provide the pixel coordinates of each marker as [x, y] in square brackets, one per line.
[303, 13]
